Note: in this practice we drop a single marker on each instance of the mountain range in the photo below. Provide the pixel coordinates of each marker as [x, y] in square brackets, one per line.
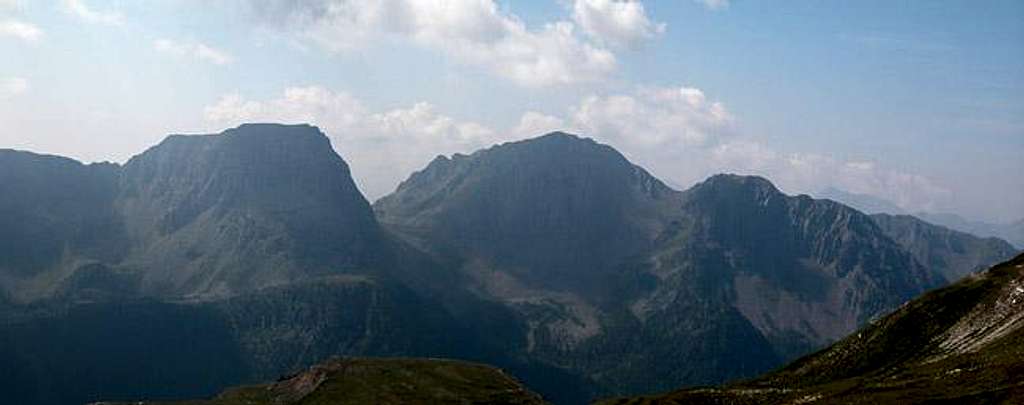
[1012, 232]
[251, 254]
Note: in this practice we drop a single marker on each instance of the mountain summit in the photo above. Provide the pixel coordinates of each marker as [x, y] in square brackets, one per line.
[598, 256]
[256, 205]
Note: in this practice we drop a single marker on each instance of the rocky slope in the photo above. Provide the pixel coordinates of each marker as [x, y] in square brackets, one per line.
[381, 381]
[961, 344]
[953, 253]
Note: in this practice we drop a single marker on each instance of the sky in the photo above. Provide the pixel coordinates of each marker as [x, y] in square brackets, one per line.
[917, 102]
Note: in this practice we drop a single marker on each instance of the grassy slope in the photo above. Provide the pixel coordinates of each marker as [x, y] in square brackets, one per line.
[382, 381]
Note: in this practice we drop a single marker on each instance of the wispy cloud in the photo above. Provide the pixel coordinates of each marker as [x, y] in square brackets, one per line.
[198, 51]
[20, 29]
[13, 86]
[79, 9]
[714, 4]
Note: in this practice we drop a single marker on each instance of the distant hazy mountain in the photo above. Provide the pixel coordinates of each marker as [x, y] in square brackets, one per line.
[1011, 232]
[251, 254]
[954, 254]
[962, 344]
[863, 202]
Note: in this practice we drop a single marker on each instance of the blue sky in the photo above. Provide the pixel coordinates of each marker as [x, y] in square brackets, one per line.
[920, 103]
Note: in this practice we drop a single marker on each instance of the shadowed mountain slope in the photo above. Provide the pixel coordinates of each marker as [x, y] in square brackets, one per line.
[960, 344]
[953, 253]
[257, 205]
[634, 284]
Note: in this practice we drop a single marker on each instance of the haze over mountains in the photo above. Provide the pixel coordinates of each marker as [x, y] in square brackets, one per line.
[251, 254]
[1012, 232]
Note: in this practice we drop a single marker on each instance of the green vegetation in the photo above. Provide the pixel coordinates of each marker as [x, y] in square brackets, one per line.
[361, 381]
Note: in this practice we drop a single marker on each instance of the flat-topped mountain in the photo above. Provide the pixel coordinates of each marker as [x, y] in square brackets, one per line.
[257, 205]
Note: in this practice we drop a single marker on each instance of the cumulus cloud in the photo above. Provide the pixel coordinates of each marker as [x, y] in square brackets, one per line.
[533, 123]
[382, 147]
[79, 9]
[714, 4]
[474, 32]
[618, 23]
[654, 117]
[13, 86]
[197, 51]
[20, 29]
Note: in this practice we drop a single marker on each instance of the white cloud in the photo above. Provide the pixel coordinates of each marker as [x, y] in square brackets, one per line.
[474, 32]
[654, 118]
[533, 123]
[619, 23]
[382, 147]
[19, 29]
[198, 51]
[13, 86]
[714, 4]
[79, 9]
